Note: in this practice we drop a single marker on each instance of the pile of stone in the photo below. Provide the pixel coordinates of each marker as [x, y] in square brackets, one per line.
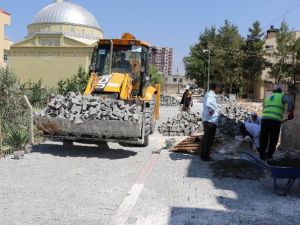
[166, 100]
[184, 124]
[79, 108]
[232, 116]
[224, 100]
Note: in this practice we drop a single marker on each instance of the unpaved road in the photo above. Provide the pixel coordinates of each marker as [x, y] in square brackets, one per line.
[94, 185]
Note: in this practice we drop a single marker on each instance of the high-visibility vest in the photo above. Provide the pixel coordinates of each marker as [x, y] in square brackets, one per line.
[273, 107]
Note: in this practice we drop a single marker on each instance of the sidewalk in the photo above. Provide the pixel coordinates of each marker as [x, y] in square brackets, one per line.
[182, 190]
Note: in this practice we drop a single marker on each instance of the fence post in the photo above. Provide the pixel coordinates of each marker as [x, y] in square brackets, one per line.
[30, 130]
[1, 138]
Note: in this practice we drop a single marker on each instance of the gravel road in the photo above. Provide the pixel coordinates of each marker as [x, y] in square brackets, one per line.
[89, 184]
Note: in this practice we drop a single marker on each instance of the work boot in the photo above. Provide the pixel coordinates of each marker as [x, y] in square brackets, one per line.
[254, 148]
[206, 159]
[247, 139]
[262, 156]
[269, 157]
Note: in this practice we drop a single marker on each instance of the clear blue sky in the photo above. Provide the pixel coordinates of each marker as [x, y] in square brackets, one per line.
[169, 23]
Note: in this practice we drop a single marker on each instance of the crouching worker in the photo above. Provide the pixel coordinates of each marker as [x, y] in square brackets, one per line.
[250, 130]
[187, 99]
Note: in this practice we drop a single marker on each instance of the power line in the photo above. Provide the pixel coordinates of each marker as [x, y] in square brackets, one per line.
[283, 15]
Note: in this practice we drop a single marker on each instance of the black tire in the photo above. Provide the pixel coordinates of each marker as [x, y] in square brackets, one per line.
[153, 120]
[147, 127]
[67, 143]
[103, 145]
[149, 123]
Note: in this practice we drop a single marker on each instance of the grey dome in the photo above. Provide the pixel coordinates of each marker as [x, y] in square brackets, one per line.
[67, 13]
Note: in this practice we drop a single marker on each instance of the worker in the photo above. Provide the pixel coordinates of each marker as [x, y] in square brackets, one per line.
[123, 63]
[210, 117]
[187, 99]
[250, 130]
[273, 112]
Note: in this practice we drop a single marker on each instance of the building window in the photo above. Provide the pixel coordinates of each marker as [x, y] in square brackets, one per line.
[44, 41]
[269, 47]
[174, 79]
[56, 42]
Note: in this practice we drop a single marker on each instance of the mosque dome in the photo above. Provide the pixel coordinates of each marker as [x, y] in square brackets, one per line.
[64, 17]
[65, 13]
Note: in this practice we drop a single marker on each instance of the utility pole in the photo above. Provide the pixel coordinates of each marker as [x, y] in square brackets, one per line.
[208, 69]
[208, 66]
[177, 81]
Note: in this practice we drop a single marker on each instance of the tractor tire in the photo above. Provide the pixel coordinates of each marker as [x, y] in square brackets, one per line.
[147, 125]
[153, 120]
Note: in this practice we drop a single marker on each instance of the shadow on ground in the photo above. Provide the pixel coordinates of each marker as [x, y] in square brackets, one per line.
[197, 216]
[101, 151]
[241, 189]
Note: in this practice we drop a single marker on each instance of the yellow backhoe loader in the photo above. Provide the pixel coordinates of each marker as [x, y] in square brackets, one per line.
[119, 70]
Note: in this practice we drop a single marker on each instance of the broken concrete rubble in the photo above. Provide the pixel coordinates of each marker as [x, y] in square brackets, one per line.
[79, 108]
[166, 100]
[232, 115]
[184, 124]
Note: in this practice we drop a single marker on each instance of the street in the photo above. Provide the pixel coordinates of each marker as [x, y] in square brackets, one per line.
[89, 184]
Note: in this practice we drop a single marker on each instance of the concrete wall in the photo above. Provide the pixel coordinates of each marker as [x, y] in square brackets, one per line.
[66, 29]
[49, 64]
[290, 133]
[5, 19]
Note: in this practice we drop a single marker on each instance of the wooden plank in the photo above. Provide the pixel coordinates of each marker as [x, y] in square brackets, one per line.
[188, 145]
[191, 145]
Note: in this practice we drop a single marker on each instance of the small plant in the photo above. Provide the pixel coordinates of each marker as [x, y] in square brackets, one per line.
[76, 83]
[17, 138]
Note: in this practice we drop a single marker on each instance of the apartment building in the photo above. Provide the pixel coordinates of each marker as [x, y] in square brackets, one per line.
[5, 19]
[162, 58]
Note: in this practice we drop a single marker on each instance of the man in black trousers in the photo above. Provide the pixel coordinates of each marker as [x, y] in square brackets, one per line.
[210, 117]
[274, 107]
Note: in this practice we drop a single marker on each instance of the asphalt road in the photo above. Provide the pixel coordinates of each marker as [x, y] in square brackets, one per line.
[89, 184]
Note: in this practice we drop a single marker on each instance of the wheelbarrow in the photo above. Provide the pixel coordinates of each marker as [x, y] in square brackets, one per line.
[277, 172]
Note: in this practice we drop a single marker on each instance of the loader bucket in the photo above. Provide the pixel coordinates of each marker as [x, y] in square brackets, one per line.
[91, 130]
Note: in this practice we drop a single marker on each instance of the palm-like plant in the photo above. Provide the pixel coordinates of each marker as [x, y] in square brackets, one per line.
[17, 137]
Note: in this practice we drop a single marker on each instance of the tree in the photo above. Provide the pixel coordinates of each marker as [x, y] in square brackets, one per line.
[229, 53]
[253, 57]
[12, 106]
[196, 63]
[76, 83]
[225, 49]
[156, 76]
[285, 53]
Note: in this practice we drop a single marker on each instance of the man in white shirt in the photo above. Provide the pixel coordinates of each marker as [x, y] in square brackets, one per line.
[210, 117]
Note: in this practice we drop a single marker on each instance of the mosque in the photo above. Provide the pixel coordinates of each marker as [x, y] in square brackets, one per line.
[59, 40]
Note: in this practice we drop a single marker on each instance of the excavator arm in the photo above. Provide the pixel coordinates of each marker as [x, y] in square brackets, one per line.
[91, 84]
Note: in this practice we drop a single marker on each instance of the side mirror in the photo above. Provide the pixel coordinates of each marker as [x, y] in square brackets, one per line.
[92, 67]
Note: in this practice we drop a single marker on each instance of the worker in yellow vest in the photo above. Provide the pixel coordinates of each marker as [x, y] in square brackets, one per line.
[274, 108]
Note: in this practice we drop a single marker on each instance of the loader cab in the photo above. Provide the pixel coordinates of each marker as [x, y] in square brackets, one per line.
[123, 57]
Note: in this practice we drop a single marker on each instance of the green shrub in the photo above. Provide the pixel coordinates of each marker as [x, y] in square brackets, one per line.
[12, 105]
[36, 93]
[17, 137]
[13, 111]
[76, 83]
